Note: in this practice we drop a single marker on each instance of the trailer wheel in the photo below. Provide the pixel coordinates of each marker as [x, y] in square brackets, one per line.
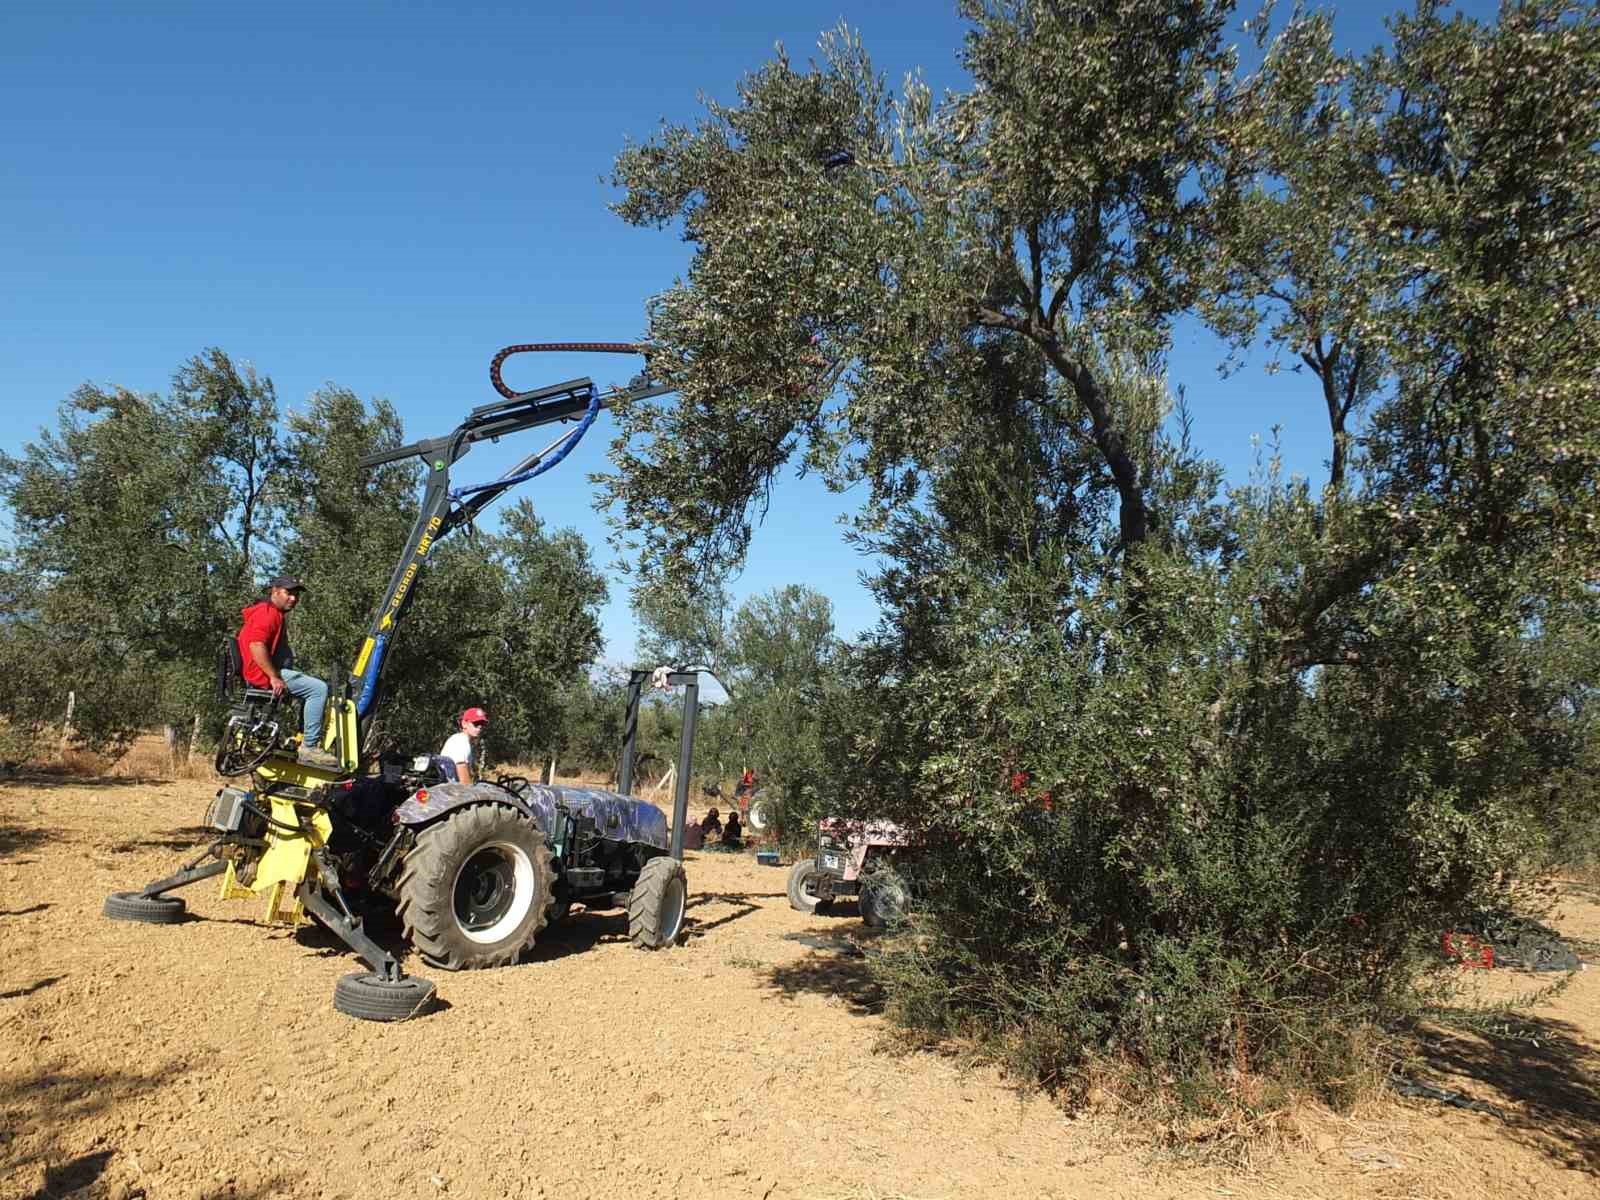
[475, 889]
[149, 910]
[657, 903]
[371, 997]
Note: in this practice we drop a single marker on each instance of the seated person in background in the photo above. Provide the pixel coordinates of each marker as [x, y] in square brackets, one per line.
[711, 824]
[694, 838]
[732, 832]
[461, 747]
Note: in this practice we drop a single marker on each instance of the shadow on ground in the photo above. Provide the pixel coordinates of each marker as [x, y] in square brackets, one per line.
[37, 985]
[77, 1174]
[840, 970]
[836, 910]
[579, 932]
[1548, 1083]
[70, 1176]
[1583, 888]
[76, 1102]
[188, 838]
[744, 904]
[17, 838]
[24, 912]
[380, 924]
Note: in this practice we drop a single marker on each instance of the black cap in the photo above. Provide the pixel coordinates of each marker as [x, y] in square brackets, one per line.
[287, 582]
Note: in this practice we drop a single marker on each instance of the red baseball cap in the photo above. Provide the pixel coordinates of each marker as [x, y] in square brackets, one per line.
[476, 715]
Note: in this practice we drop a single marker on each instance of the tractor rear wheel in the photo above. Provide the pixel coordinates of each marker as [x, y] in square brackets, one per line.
[475, 889]
[657, 902]
[884, 899]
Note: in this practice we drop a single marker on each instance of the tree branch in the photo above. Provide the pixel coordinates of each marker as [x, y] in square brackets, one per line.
[1134, 511]
[1084, 236]
[1036, 277]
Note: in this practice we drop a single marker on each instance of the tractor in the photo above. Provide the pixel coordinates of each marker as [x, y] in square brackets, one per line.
[473, 871]
[864, 859]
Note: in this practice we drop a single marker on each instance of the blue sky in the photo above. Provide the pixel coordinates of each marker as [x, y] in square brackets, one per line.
[381, 196]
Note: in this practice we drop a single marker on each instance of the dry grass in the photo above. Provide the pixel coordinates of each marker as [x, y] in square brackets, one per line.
[147, 758]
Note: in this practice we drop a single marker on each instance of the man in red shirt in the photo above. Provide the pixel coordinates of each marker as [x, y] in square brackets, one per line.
[264, 650]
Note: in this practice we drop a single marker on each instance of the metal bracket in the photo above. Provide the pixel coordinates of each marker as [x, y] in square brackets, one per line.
[347, 929]
[190, 874]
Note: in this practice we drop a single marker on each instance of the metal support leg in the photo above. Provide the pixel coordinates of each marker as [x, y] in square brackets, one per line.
[348, 930]
[630, 732]
[190, 874]
[690, 681]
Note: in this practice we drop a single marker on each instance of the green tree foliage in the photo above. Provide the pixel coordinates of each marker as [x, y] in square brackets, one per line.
[136, 523]
[682, 627]
[1199, 770]
[592, 711]
[144, 524]
[776, 655]
[784, 657]
[348, 525]
[507, 621]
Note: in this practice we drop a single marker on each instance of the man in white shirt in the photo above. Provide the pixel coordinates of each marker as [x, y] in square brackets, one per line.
[461, 747]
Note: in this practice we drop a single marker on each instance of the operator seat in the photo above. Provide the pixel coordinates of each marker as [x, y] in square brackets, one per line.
[230, 677]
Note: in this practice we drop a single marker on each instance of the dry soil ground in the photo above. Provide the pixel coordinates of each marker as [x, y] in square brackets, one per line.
[205, 1060]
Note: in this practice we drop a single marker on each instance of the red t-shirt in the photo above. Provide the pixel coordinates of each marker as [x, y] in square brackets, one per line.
[262, 623]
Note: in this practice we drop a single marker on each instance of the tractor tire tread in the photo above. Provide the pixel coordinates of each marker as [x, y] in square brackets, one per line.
[426, 906]
[645, 903]
[147, 910]
[369, 997]
[799, 899]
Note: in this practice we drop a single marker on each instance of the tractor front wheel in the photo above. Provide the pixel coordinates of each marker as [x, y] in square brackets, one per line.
[802, 887]
[657, 902]
[475, 888]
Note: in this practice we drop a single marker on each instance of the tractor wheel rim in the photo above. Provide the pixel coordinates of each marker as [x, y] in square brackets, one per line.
[673, 901]
[493, 891]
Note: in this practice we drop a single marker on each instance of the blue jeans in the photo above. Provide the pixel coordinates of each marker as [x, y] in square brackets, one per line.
[315, 693]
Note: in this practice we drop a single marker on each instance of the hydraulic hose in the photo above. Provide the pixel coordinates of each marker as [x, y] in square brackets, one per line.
[561, 450]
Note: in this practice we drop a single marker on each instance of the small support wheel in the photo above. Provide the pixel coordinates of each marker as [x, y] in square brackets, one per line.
[149, 910]
[371, 997]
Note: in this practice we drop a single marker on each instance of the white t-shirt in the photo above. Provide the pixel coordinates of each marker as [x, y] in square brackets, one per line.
[459, 748]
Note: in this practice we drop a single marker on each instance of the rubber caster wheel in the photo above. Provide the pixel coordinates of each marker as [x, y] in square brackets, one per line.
[370, 997]
[151, 910]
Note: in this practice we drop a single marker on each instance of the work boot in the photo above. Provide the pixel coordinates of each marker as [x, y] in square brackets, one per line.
[312, 756]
